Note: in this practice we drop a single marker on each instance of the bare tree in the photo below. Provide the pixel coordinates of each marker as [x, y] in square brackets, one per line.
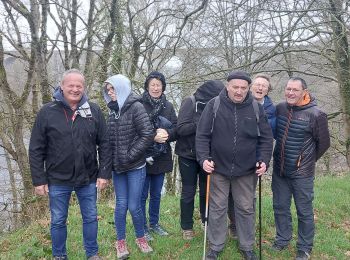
[342, 55]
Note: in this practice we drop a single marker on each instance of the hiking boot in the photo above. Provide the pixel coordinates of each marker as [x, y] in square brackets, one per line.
[249, 255]
[276, 247]
[148, 236]
[158, 230]
[188, 234]
[122, 250]
[212, 255]
[94, 257]
[143, 245]
[302, 255]
[63, 257]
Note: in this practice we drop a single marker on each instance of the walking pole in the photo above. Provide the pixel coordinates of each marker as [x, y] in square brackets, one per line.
[206, 214]
[260, 250]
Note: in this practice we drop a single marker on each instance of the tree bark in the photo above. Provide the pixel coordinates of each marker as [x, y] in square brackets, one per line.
[342, 54]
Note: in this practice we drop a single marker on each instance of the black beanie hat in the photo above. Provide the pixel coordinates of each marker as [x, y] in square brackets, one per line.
[239, 74]
[155, 75]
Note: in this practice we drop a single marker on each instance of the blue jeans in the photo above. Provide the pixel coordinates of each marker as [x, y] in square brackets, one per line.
[128, 189]
[153, 185]
[302, 190]
[59, 202]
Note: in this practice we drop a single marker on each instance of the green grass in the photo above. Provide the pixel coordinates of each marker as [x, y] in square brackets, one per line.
[332, 240]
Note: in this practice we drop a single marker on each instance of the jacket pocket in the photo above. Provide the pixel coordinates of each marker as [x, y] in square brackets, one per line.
[249, 127]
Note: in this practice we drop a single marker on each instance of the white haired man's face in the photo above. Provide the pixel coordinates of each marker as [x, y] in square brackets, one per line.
[260, 88]
[73, 88]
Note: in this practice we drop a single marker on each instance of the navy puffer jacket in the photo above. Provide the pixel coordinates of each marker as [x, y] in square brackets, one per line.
[302, 137]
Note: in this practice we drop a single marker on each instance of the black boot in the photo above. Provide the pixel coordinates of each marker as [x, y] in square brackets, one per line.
[249, 255]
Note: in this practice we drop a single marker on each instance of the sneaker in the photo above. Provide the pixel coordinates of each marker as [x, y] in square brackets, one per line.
[188, 234]
[212, 255]
[302, 255]
[122, 250]
[143, 245]
[94, 257]
[158, 230]
[276, 247]
[148, 236]
[249, 255]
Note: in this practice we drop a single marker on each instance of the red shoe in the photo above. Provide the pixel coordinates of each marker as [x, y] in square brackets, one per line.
[143, 245]
[122, 250]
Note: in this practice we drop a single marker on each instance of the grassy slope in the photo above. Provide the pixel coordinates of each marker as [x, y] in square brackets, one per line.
[332, 241]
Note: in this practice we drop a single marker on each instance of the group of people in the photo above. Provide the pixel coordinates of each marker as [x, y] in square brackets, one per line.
[226, 131]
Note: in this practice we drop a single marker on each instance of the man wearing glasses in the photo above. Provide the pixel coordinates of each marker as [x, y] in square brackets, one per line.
[302, 137]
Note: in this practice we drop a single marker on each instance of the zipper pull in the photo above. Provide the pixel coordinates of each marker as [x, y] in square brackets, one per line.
[299, 160]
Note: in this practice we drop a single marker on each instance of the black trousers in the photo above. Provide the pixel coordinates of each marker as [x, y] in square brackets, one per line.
[191, 172]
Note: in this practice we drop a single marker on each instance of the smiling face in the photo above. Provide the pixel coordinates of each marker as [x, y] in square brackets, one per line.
[155, 88]
[237, 90]
[72, 86]
[294, 92]
[260, 88]
[111, 92]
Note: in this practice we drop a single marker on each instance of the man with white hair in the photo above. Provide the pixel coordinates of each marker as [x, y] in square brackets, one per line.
[66, 136]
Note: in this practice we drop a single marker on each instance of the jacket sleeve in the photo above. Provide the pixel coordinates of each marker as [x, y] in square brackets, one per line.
[145, 132]
[321, 135]
[104, 150]
[173, 120]
[265, 140]
[37, 150]
[185, 120]
[203, 133]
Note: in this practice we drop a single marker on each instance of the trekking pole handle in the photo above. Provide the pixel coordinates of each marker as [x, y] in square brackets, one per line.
[259, 164]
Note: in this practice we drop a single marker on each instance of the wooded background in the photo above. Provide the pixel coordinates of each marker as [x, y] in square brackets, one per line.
[189, 41]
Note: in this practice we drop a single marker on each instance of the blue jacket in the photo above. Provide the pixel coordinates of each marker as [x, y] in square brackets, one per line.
[302, 137]
[270, 111]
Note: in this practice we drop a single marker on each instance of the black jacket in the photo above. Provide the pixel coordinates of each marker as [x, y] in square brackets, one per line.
[64, 152]
[189, 115]
[302, 138]
[164, 162]
[130, 135]
[234, 142]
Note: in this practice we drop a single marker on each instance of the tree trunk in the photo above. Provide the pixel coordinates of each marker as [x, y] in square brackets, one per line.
[118, 47]
[342, 54]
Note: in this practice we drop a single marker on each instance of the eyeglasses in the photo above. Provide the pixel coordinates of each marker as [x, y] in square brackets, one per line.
[293, 90]
[260, 85]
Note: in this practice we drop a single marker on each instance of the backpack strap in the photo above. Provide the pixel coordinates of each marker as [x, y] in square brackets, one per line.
[193, 99]
[215, 109]
[256, 111]
[255, 107]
